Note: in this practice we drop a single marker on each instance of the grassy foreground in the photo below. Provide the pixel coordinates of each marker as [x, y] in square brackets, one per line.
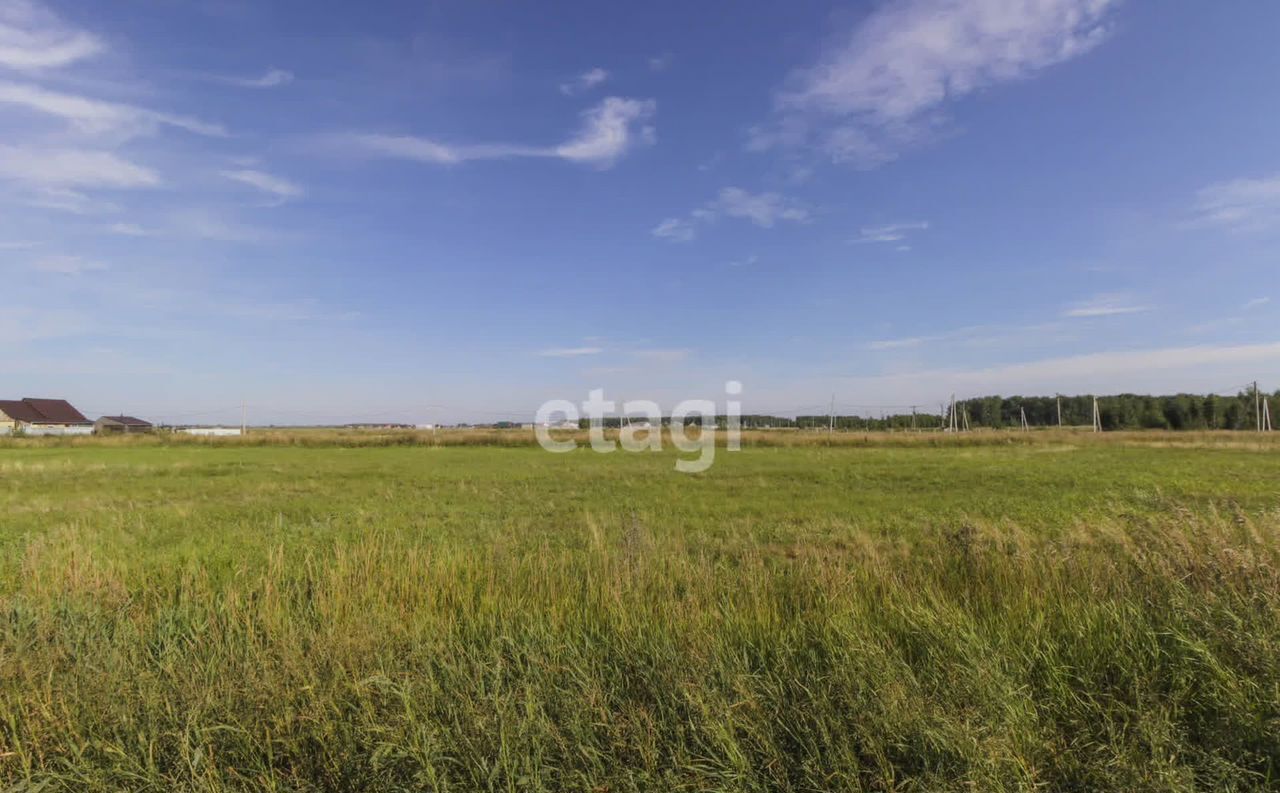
[1060, 613]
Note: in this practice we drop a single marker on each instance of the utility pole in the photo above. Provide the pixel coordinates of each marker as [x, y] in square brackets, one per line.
[1266, 415]
[244, 418]
[831, 416]
[1059, 412]
[1025, 427]
[913, 418]
[1257, 405]
[1097, 416]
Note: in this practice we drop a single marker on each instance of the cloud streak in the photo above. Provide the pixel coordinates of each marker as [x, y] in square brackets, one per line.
[569, 352]
[72, 168]
[584, 82]
[607, 133]
[93, 116]
[1106, 305]
[880, 89]
[33, 39]
[892, 232]
[765, 210]
[1241, 204]
[267, 183]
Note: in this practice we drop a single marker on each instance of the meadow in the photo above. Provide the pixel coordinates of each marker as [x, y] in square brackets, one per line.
[302, 611]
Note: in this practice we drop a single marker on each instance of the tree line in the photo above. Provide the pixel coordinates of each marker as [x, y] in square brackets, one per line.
[1118, 412]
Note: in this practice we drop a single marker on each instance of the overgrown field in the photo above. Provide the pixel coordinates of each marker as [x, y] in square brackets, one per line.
[1058, 613]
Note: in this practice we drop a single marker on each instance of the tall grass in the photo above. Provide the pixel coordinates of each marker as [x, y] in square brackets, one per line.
[1133, 650]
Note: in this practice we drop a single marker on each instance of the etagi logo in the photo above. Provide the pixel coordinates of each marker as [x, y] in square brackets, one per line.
[641, 426]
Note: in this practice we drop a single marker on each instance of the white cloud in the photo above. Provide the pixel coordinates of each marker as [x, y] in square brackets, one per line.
[570, 352]
[608, 132]
[674, 355]
[17, 245]
[130, 230]
[281, 188]
[1257, 302]
[273, 78]
[98, 117]
[33, 38]
[1241, 204]
[584, 82]
[763, 209]
[70, 168]
[892, 232]
[675, 230]
[67, 265]
[660, 63]
[879, 88]
[1105, 305]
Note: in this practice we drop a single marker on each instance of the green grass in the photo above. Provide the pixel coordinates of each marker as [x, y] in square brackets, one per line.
[1062, 613]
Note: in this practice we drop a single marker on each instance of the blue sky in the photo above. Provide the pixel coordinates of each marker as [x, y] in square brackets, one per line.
[447, 211]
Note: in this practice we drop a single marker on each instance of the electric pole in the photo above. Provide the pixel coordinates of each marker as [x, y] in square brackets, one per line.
[1059, 412]
[244, 418]
[1257, 405]
[831, 416]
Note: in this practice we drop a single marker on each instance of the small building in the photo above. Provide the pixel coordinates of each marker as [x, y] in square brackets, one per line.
[217, 432]
[32, 416]
[120, 425]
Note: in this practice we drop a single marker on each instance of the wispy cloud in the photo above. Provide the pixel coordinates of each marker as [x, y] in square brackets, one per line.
[99, 117]
[608, 131]
[762, 209]
[881, 87]
[659, 63]
[67, 265]
[130, 230]
[1256, 302]
[569, 352]
[1104, 305]
[660, 355]
[272, 78]
[584, 82]
[892, 232]
[267, 183]
[32, 38]
[71, 168]
[1241, 204]
[674, 230]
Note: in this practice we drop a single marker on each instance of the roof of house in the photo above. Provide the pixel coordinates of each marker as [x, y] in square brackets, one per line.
[42, 411]
[57, 411]
[19, 411]
[128, 421]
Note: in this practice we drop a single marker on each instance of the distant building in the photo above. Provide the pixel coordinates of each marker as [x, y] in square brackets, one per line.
[42, 417]
[120, 425]
[220, 432]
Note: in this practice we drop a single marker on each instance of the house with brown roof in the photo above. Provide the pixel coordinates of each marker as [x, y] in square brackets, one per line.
[33, 416]
[120, 425]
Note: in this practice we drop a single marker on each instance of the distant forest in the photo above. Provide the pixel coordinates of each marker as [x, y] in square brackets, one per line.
[1119, 412]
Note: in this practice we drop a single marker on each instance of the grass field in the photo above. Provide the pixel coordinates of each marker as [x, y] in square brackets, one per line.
[1060, 612]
